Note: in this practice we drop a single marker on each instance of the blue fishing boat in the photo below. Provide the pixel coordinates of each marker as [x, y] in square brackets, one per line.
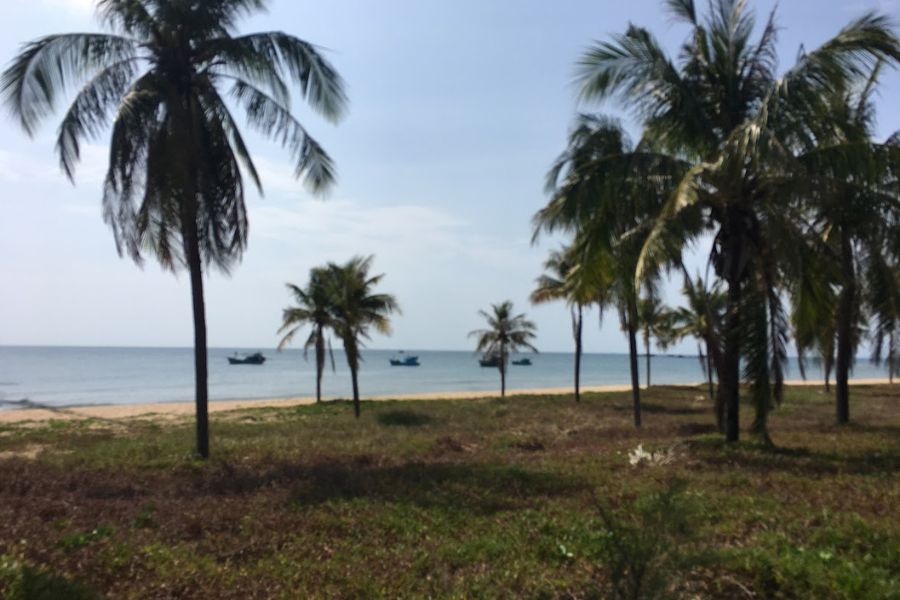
[247, 359]
[404, 360]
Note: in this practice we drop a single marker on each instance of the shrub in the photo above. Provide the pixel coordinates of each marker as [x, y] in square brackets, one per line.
[644, 546]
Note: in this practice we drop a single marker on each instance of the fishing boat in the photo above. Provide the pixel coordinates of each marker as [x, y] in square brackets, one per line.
[247, 359]
[404, 360]
[522, 362]
[489, 360]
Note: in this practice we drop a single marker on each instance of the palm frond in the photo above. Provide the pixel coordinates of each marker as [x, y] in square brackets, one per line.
[272, 119]
[46, 68]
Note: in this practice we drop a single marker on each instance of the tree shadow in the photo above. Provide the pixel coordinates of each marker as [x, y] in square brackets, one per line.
[481, 488]
[664, 409]
[403, 418]
[763, 458]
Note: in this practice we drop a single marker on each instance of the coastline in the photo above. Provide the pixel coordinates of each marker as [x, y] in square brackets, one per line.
[172, 410]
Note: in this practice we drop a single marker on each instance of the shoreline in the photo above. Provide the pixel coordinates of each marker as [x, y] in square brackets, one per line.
[170, 410]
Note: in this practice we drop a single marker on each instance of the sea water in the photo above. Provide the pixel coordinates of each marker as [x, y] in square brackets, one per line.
[65, 376]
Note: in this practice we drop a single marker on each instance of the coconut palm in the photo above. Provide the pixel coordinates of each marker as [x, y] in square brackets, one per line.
[722, 108]
[506, 333]
[702, 319]
[356, 309]
[566, 280]
[885, 300]
[601, 195]
[168, 77]
[313, 307]
[855, 206]
[655, 320]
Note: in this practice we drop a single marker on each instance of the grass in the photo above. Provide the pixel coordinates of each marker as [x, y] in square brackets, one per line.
[455, 499]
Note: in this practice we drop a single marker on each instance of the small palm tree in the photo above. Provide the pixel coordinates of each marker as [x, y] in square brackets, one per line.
[314, 306]
[655, 319]
[506, 333]
[703, 319]
[356, 309]
[177, 161]
[565, 280]
[601, 195]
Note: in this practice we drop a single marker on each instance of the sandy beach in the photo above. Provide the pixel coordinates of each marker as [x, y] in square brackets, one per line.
[171, 410]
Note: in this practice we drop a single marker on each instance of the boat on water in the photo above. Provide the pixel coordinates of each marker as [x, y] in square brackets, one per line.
[489, 360]
[247, 359]
[404, 360]
[522, 362]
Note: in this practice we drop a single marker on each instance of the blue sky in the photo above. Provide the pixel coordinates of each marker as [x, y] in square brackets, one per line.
[457, 110]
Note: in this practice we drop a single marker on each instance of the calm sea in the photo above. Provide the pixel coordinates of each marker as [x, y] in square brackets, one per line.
[60, 376]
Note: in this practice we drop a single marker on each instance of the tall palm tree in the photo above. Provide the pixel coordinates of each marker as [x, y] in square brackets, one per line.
[314, 307]
[506, 333]
[356, 309]
[566, 280]
[723, 110]
[855, 205]
[175, 182]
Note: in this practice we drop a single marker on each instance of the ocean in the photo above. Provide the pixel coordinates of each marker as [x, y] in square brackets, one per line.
[66, 376]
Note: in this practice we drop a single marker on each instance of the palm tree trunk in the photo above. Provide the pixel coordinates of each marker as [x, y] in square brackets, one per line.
[716, 363]
[633, 359]
[709, 374]
[845, 332]
[502, 371]
[892, 359]
[320, 362]
[730, 383]
[578, 326]
[195, 266]
[353, 376]
[647, 356]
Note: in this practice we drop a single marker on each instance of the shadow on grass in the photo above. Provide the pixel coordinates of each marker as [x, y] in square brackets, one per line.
[481, 488]
[762, 457]
[403, 418]
[663, 409]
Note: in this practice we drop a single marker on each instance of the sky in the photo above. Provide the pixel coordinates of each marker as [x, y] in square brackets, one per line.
[457, 109]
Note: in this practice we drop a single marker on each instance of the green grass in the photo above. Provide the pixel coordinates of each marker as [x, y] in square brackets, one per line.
[454, 499]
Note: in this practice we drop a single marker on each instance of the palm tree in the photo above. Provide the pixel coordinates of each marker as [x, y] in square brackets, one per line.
[506, 333]
[566, 280]
[885, 300]
[855, 207]
[600, 194]
[655, 319]
[356, 309]
[175, 182]
[702, 319]
[314, 307]
[723, 111]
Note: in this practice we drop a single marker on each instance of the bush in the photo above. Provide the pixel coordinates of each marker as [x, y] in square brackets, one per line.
[644, 546]
[19, 581]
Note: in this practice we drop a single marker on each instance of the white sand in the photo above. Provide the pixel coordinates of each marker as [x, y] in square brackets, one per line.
[183, 409]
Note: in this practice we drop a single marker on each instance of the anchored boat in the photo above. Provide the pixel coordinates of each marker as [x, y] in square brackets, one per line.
[489, 360]
[404, 360]
[247, 359]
